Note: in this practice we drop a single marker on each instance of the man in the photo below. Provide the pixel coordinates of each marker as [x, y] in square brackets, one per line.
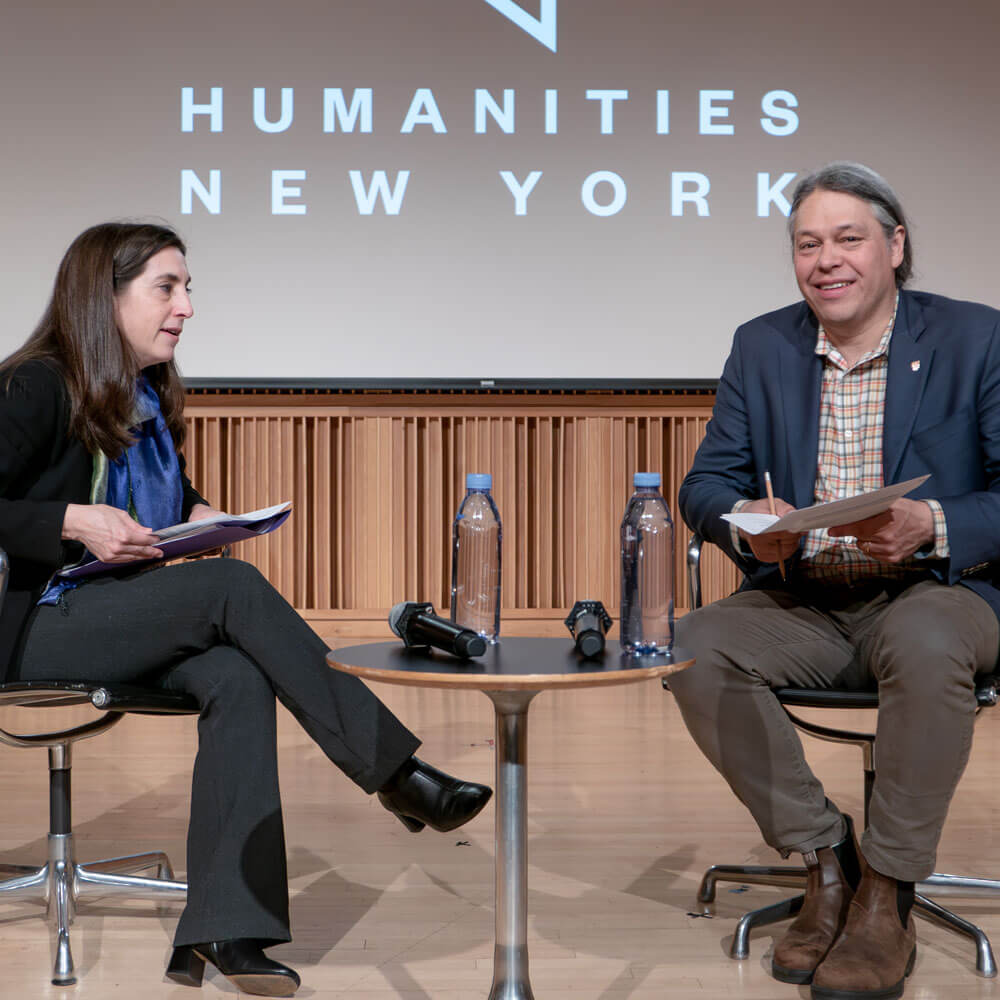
[861, 385]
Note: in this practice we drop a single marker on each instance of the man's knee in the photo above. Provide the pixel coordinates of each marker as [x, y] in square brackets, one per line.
[908, 644]
[698, 634]
[695, 630]
[934, 637]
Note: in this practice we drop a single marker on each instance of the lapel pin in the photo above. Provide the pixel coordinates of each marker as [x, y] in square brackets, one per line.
[914, 366]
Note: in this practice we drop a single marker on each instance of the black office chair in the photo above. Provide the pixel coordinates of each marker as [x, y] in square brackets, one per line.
[987, 687]
[61, 880]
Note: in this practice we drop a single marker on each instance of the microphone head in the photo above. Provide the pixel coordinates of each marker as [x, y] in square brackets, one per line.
[587, 615]
[588, 623]
[396, 615]
[400, 614]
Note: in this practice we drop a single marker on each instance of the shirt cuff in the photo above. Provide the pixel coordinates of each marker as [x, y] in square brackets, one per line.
[941, 549]
[739, 542]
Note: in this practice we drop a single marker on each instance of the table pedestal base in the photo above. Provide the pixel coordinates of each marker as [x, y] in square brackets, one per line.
[510, 954]
[510, 674]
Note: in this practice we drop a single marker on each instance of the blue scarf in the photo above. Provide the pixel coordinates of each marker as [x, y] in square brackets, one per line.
[145, 480]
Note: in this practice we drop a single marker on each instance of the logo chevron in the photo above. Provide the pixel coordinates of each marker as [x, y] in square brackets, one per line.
[541, 28]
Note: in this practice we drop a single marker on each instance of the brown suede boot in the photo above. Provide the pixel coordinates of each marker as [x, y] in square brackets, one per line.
[876, 951]
[834, 873]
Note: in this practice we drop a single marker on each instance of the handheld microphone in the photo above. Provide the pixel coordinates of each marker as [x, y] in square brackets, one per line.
[417, 625]
[587, 623]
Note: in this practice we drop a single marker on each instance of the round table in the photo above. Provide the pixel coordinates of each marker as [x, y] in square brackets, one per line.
[510, 674]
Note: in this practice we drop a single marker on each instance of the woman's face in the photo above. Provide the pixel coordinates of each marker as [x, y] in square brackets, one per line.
[152, 308]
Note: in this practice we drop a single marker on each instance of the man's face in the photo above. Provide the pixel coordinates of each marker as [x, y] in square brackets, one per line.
[844, 265]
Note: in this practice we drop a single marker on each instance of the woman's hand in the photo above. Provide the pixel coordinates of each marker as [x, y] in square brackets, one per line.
[109, 533]
[202, 510]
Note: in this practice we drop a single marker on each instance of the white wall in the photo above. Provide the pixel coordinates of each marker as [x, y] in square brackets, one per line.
[457, 284]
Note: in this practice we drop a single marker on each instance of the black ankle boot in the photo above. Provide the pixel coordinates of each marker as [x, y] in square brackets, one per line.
[242, 961]
[422, 795]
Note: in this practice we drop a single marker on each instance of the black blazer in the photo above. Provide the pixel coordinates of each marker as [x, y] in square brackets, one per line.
[42, 469]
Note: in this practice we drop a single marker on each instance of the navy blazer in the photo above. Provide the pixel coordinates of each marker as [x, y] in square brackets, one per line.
[942, 418]
[42, 469]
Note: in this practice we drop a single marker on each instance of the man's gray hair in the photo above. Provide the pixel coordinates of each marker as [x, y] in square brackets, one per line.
[864, 183]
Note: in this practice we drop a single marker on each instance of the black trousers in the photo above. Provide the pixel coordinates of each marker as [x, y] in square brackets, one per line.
[217, 629]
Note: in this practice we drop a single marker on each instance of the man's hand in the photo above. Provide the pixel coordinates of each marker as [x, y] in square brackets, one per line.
[774, 547]
[894, 535]
[109, 533]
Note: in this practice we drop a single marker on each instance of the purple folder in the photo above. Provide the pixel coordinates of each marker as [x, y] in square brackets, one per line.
[222, 533]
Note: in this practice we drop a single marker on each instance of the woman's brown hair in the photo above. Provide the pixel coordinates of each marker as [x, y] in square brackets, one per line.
[78, 334]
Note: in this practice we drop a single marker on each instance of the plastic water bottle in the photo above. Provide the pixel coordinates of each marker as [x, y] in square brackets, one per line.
[475, 560]
[647, 608]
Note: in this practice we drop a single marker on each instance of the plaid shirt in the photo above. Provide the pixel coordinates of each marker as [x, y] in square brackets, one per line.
[849, 461]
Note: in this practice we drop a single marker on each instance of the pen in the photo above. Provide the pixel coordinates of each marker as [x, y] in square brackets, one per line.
[770, 500]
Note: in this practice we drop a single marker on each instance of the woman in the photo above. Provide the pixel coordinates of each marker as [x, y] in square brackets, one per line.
[90, 430]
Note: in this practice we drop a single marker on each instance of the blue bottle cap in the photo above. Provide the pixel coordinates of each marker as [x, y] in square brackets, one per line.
[646, 479]
[478, 481]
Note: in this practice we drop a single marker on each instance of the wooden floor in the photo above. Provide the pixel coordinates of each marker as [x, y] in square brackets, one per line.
[623, 817]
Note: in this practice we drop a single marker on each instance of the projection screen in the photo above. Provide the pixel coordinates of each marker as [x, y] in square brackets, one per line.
[585, 189]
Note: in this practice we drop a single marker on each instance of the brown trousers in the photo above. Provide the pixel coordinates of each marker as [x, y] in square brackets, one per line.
[921, 646]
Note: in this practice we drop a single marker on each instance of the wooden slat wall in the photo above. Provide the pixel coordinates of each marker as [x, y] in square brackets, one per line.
[376, 482]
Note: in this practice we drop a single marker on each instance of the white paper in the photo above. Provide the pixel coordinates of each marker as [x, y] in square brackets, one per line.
[752, 524]
[196, 527]
[826, 515]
